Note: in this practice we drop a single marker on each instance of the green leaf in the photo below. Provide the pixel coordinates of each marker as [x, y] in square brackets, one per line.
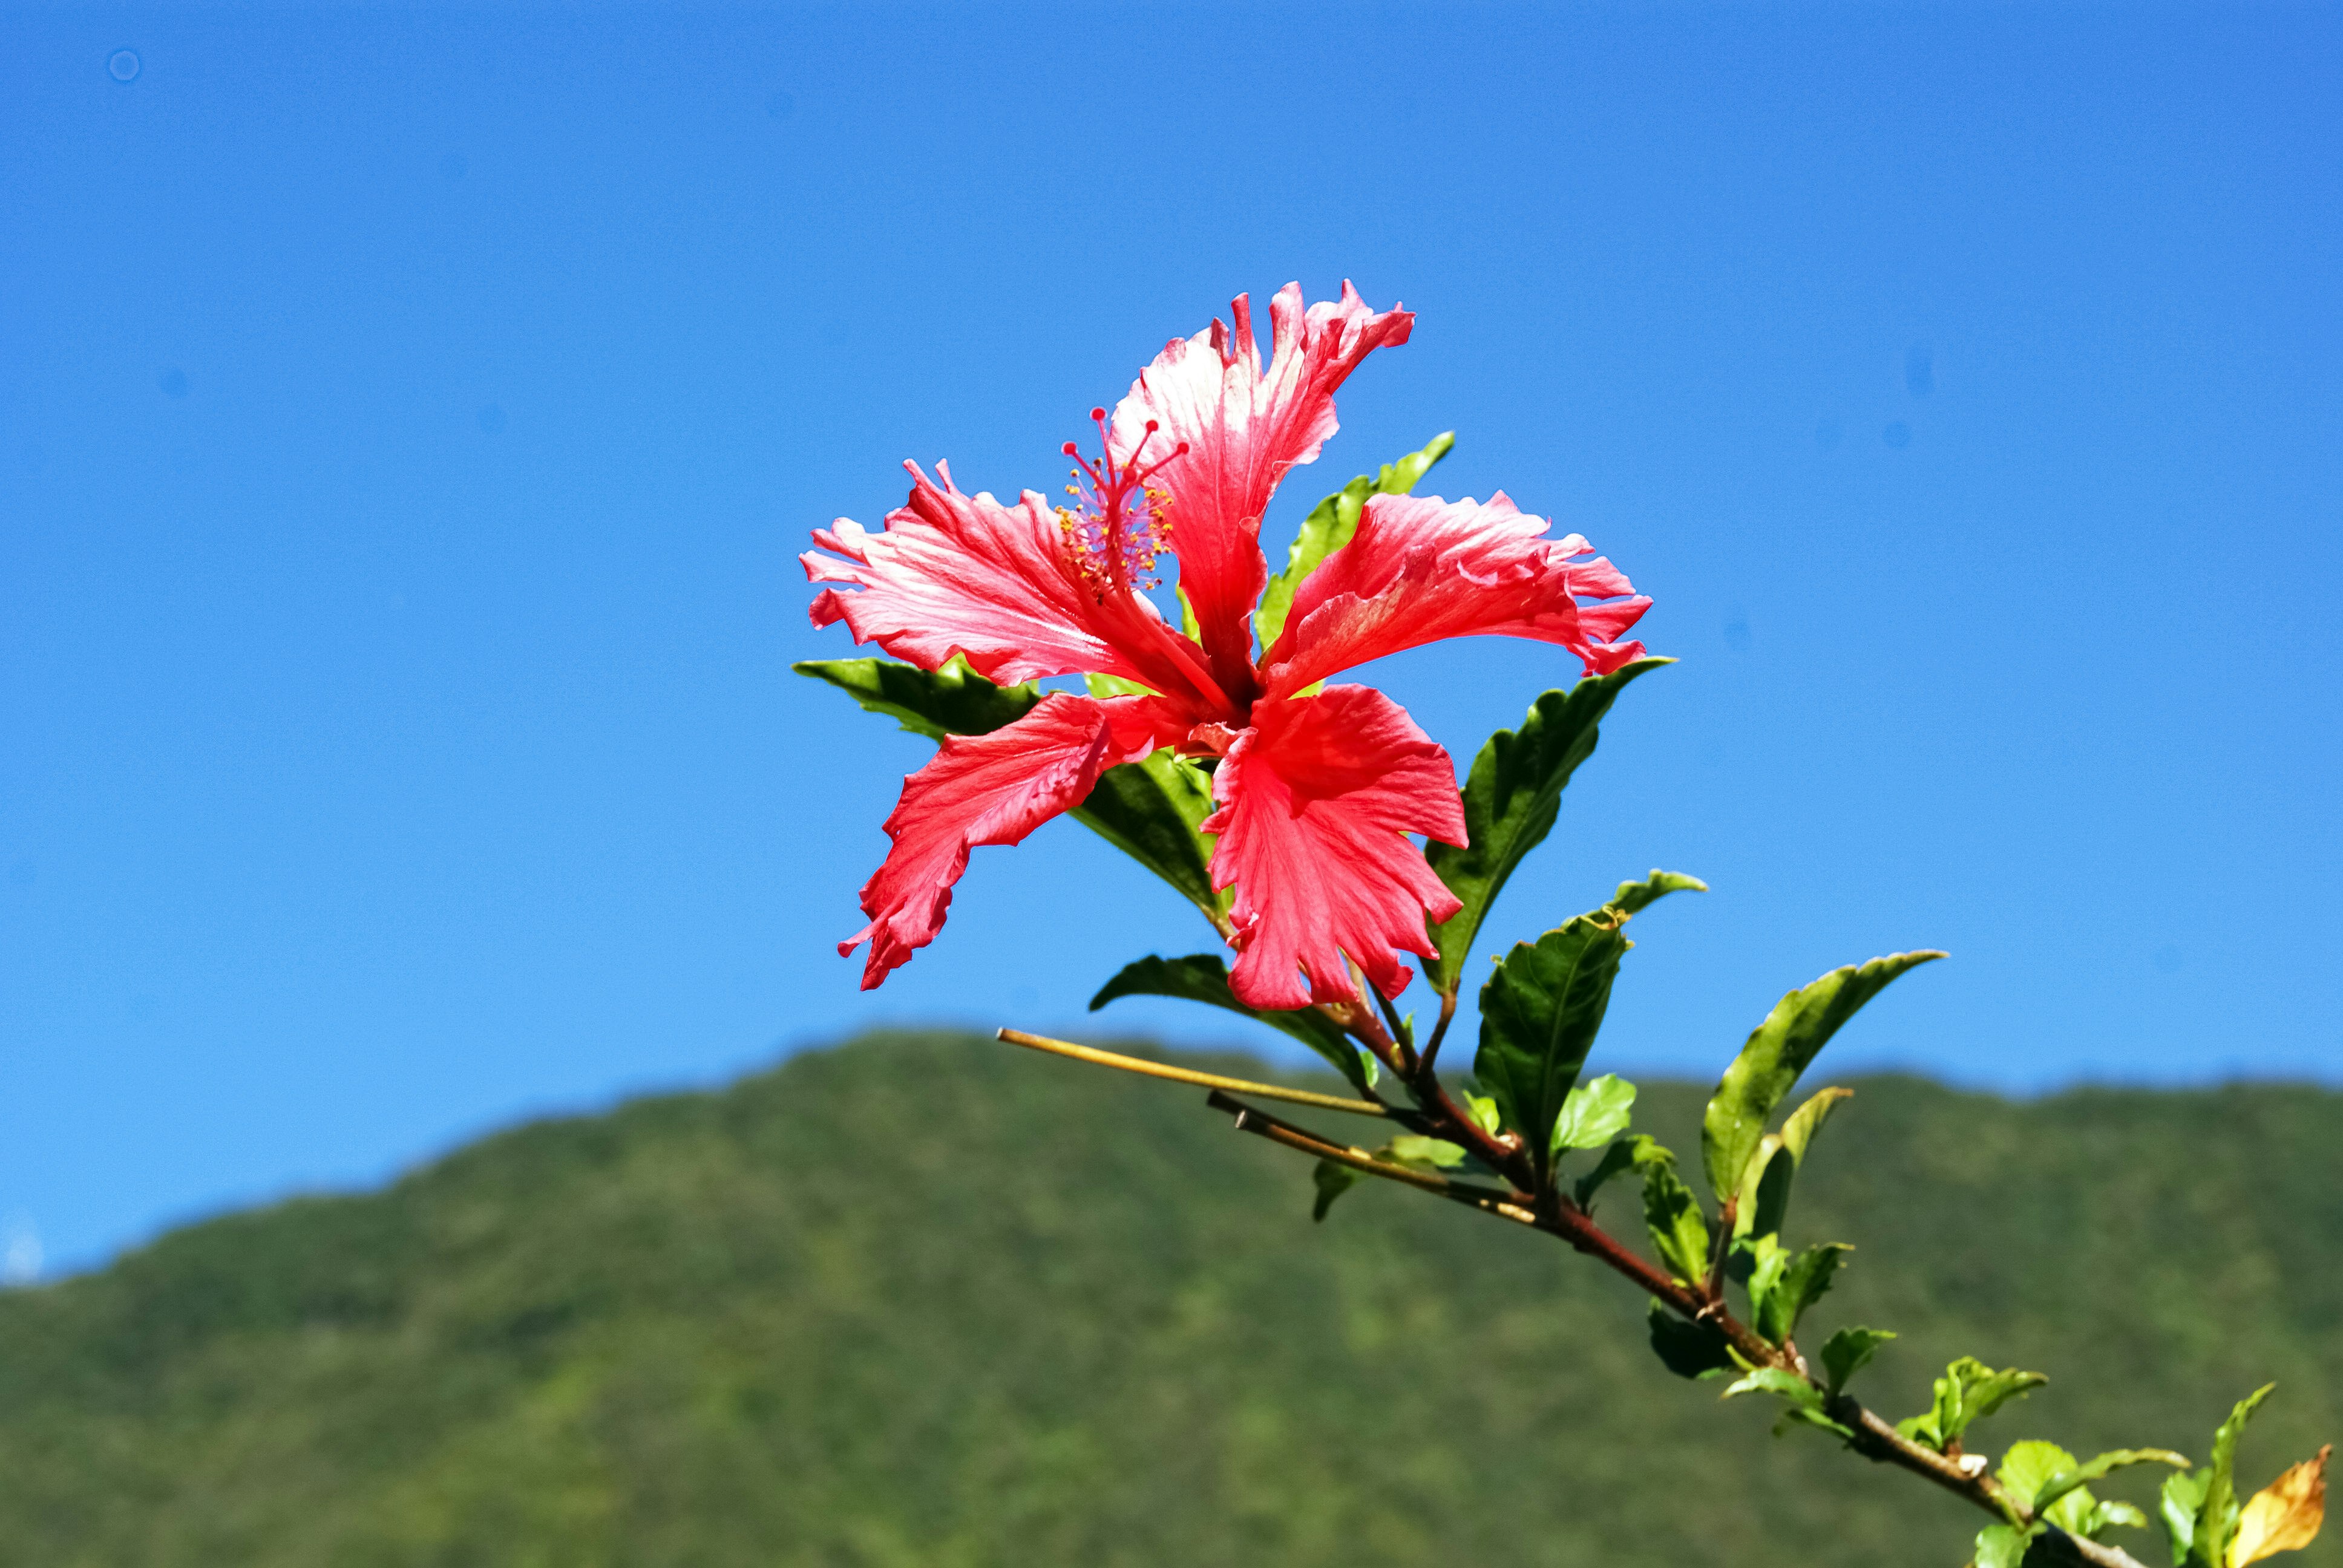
[1511, 799]
[2072, 1479]
[1539, 1015]
[1848, 1351]
[1687, 1349]
[1986, 1391]
[1777, 1051]
[1201, 977]
[1593, 1114]
[1798, 1131]
[1635, 898]
[1759, 1266]
[1968, 1392]
[1806, 1415]
[1764, 1201]
[2216, 1516]
[2179, 1502]
[953, 700]
[1149, 810]
[1332, 1181]
[1764, 1189]
[1779, 1381]
[2000, 1546]
[2028, 1467]
[1621, 1157]
[1483, 1111]
[1330, 526]
[1804, 1400]
[1802, 1282]
[1420, 1153]
[1679, 1233]
[2109, 1514]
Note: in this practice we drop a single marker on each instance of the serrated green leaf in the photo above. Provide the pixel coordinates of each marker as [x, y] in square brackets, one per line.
[1634, 898]
[1798, 1131]
[1805, 1402]
[2068, 1482]
[1332, 1180]
[953, 700]
[1777, 1051]
[1687, 1349]
[1778, 1381]
[2109, 1514]
[1764, 1200]
[1330, 525]
[2032, 1464]
[1671, 1214]
[1593, 1114]
[1621, 1157]
[1540, 1012]
[2029, 1465]
[2216, 1516]
[1757, 1264]
[1814, 1416]
[1511, 799]
[1967, 1393]
[1764, 1189]
[1201, 977]
[2000, 1546]
[1848, 1351]
[2178, 1502]
[1802, 1280]
[1149, 810]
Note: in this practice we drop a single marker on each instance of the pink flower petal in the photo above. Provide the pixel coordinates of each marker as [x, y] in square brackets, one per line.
[1244, 429]
[1314, 801]
[1420, 568]
[963, 574]
[991, 788]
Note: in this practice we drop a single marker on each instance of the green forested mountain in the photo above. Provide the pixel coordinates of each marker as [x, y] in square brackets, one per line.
[936, 1300]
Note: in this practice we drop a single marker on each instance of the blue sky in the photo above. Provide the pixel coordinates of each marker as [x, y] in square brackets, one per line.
[410, 421]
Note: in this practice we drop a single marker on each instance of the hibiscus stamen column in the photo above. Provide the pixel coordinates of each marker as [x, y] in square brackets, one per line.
[1108, 552]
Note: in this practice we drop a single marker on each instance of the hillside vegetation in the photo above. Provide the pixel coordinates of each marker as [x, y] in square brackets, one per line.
[932, 1300]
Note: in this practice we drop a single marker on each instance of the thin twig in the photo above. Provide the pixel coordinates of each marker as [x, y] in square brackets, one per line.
[1431, 1052]
[1391, 1020]
[1712, 1287]
[1184, 1075]
[1488, 1200]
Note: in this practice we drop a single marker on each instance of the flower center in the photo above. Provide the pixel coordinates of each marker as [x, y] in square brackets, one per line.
[1116, 527]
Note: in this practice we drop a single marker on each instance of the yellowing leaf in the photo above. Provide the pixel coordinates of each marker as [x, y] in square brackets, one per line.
[2285, 1516]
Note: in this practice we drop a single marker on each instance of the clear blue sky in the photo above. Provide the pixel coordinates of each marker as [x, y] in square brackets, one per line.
[409, 423]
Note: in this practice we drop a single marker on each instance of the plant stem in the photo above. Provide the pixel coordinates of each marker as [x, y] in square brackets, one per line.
[1514, 1206]
[1369, 1106]
[1438, 1115]
[1391, 1020]
[1874, 1438]
[1440, 1030]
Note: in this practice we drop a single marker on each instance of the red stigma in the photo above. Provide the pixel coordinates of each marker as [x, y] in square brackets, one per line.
[1116, 527]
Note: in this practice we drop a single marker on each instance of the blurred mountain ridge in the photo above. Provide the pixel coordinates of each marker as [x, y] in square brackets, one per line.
[926, 1299]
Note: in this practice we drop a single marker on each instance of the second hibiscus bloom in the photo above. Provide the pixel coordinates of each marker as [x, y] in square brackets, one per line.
[1317, 789]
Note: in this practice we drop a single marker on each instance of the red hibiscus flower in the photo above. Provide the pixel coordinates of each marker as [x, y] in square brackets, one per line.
[1317, 789]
